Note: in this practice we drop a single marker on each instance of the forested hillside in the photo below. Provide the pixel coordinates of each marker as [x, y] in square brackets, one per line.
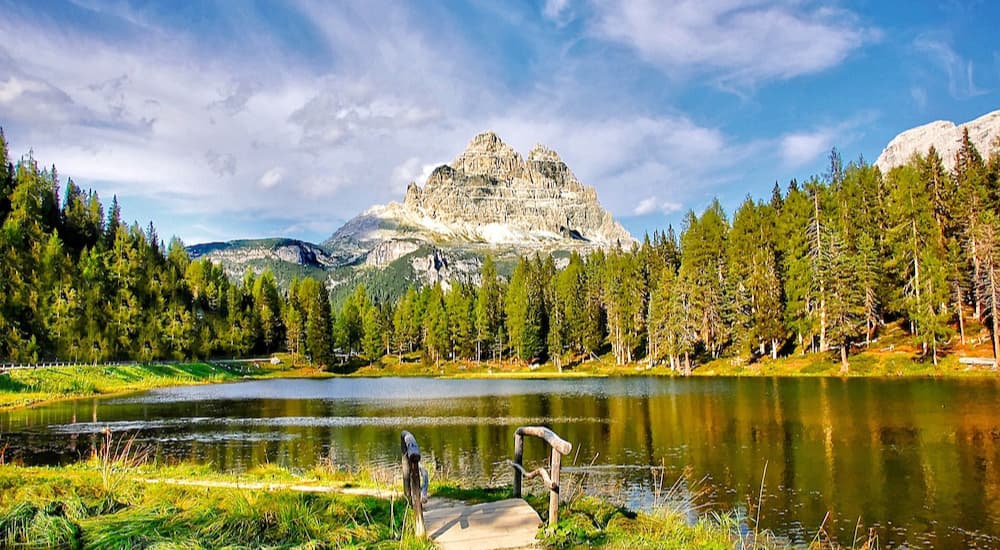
[820, 266]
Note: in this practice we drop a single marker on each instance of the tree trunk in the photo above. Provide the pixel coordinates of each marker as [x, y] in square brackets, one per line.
[994, 310]
[961, 319]
[774, 348]
[687, 364]
[843, 359]
[975, 274]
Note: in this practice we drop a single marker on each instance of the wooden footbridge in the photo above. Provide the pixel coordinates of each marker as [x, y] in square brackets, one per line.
[510, 523]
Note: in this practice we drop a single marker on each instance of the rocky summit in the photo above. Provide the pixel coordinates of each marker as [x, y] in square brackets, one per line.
[489, 200]
[490, 196]
[943, 135]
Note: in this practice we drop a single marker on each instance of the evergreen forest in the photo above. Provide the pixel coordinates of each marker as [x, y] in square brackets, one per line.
[821, 265]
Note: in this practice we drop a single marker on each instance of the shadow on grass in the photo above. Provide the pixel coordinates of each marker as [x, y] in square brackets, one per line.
[8, 384]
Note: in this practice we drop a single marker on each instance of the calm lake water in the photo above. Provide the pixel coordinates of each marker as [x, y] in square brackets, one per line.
[919, 460]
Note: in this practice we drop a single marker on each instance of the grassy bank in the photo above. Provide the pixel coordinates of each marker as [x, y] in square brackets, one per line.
[873, 363]
[25, 387]
[115, 505]
[892, 354]
[77, 508]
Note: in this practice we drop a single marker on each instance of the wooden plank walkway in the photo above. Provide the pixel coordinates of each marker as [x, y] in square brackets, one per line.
[453, 525]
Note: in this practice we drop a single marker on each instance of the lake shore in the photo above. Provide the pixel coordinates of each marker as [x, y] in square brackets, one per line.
[121, 502]
[867, 364]
[30, 387]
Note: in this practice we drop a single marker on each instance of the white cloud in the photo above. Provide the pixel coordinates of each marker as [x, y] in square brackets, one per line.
[961, 84]
[412, 170]
[208, 136]
[14, 87]
[800, 148]
[271, 178]
[740, 41]
[645, 206]
[652, 205]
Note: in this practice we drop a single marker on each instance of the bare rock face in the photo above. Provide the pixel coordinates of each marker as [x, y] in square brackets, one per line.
[490, 194]
[237, 256]
[945, 136]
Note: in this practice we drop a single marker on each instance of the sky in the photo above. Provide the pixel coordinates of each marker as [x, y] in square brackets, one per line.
[258, 118]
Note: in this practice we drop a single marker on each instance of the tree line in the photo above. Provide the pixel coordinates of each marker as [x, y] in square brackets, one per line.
[820, 266]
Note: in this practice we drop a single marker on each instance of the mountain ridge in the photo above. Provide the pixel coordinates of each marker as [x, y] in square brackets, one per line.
[490, 200]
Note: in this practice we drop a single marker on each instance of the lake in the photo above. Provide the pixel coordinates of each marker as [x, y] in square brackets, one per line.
[917, 459]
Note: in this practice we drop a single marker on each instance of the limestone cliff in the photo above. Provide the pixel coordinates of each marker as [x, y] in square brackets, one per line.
[489, 196]
[945, 136]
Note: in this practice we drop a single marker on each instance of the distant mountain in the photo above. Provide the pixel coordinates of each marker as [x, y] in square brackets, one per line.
[945, 136]
[489, 200]
[287, 258]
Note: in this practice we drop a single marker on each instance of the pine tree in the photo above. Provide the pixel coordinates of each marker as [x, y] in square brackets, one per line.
[917, 258]
[516, 306]
[793, 247]
[318, 328]
[460, 309]
[435, 325]
[374, 330]
[489, 311]
[702, 271]
[406, 325]
[845, 300]
[594, 317]
[988, 283]
[660, 319]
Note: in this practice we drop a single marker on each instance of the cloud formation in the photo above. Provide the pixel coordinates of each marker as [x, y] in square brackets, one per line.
[740, 42]
[307, 117]
[961, 81]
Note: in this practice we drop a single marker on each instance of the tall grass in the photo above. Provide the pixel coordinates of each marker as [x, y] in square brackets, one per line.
[49, 508]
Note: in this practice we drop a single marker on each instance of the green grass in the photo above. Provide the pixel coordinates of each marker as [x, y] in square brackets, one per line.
[70, 508]
[25, 387]
[74, 507]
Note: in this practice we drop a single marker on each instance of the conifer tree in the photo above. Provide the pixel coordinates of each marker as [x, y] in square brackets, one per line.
[845, 300]
[489, 310]
[988, 284]
[374, 329]
[437, 335]
[702, 271]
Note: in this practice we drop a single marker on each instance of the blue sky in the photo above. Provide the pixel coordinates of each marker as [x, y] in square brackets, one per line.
[221, 120]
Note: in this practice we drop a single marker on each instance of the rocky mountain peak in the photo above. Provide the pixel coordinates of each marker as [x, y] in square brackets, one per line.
[943, 135]
[541, 153]
[490, 196]
[487, 155]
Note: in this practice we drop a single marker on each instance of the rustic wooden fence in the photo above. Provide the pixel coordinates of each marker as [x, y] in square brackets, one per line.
[558, 448]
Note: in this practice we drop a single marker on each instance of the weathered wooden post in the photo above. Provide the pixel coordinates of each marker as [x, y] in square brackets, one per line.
[519, 460]
[559, 447]
[412, 486]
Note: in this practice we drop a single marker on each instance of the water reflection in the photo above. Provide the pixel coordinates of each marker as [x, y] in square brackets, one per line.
[919, 457]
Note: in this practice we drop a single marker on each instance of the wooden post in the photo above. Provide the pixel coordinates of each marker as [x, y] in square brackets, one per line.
[519, 460]
[416, 500]
[410, 452]
[554, 489]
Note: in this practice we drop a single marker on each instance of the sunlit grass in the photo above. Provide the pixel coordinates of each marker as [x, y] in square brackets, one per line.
[25, 387]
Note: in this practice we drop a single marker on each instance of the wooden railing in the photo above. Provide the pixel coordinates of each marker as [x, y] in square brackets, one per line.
[415, 480]
[558, 447]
